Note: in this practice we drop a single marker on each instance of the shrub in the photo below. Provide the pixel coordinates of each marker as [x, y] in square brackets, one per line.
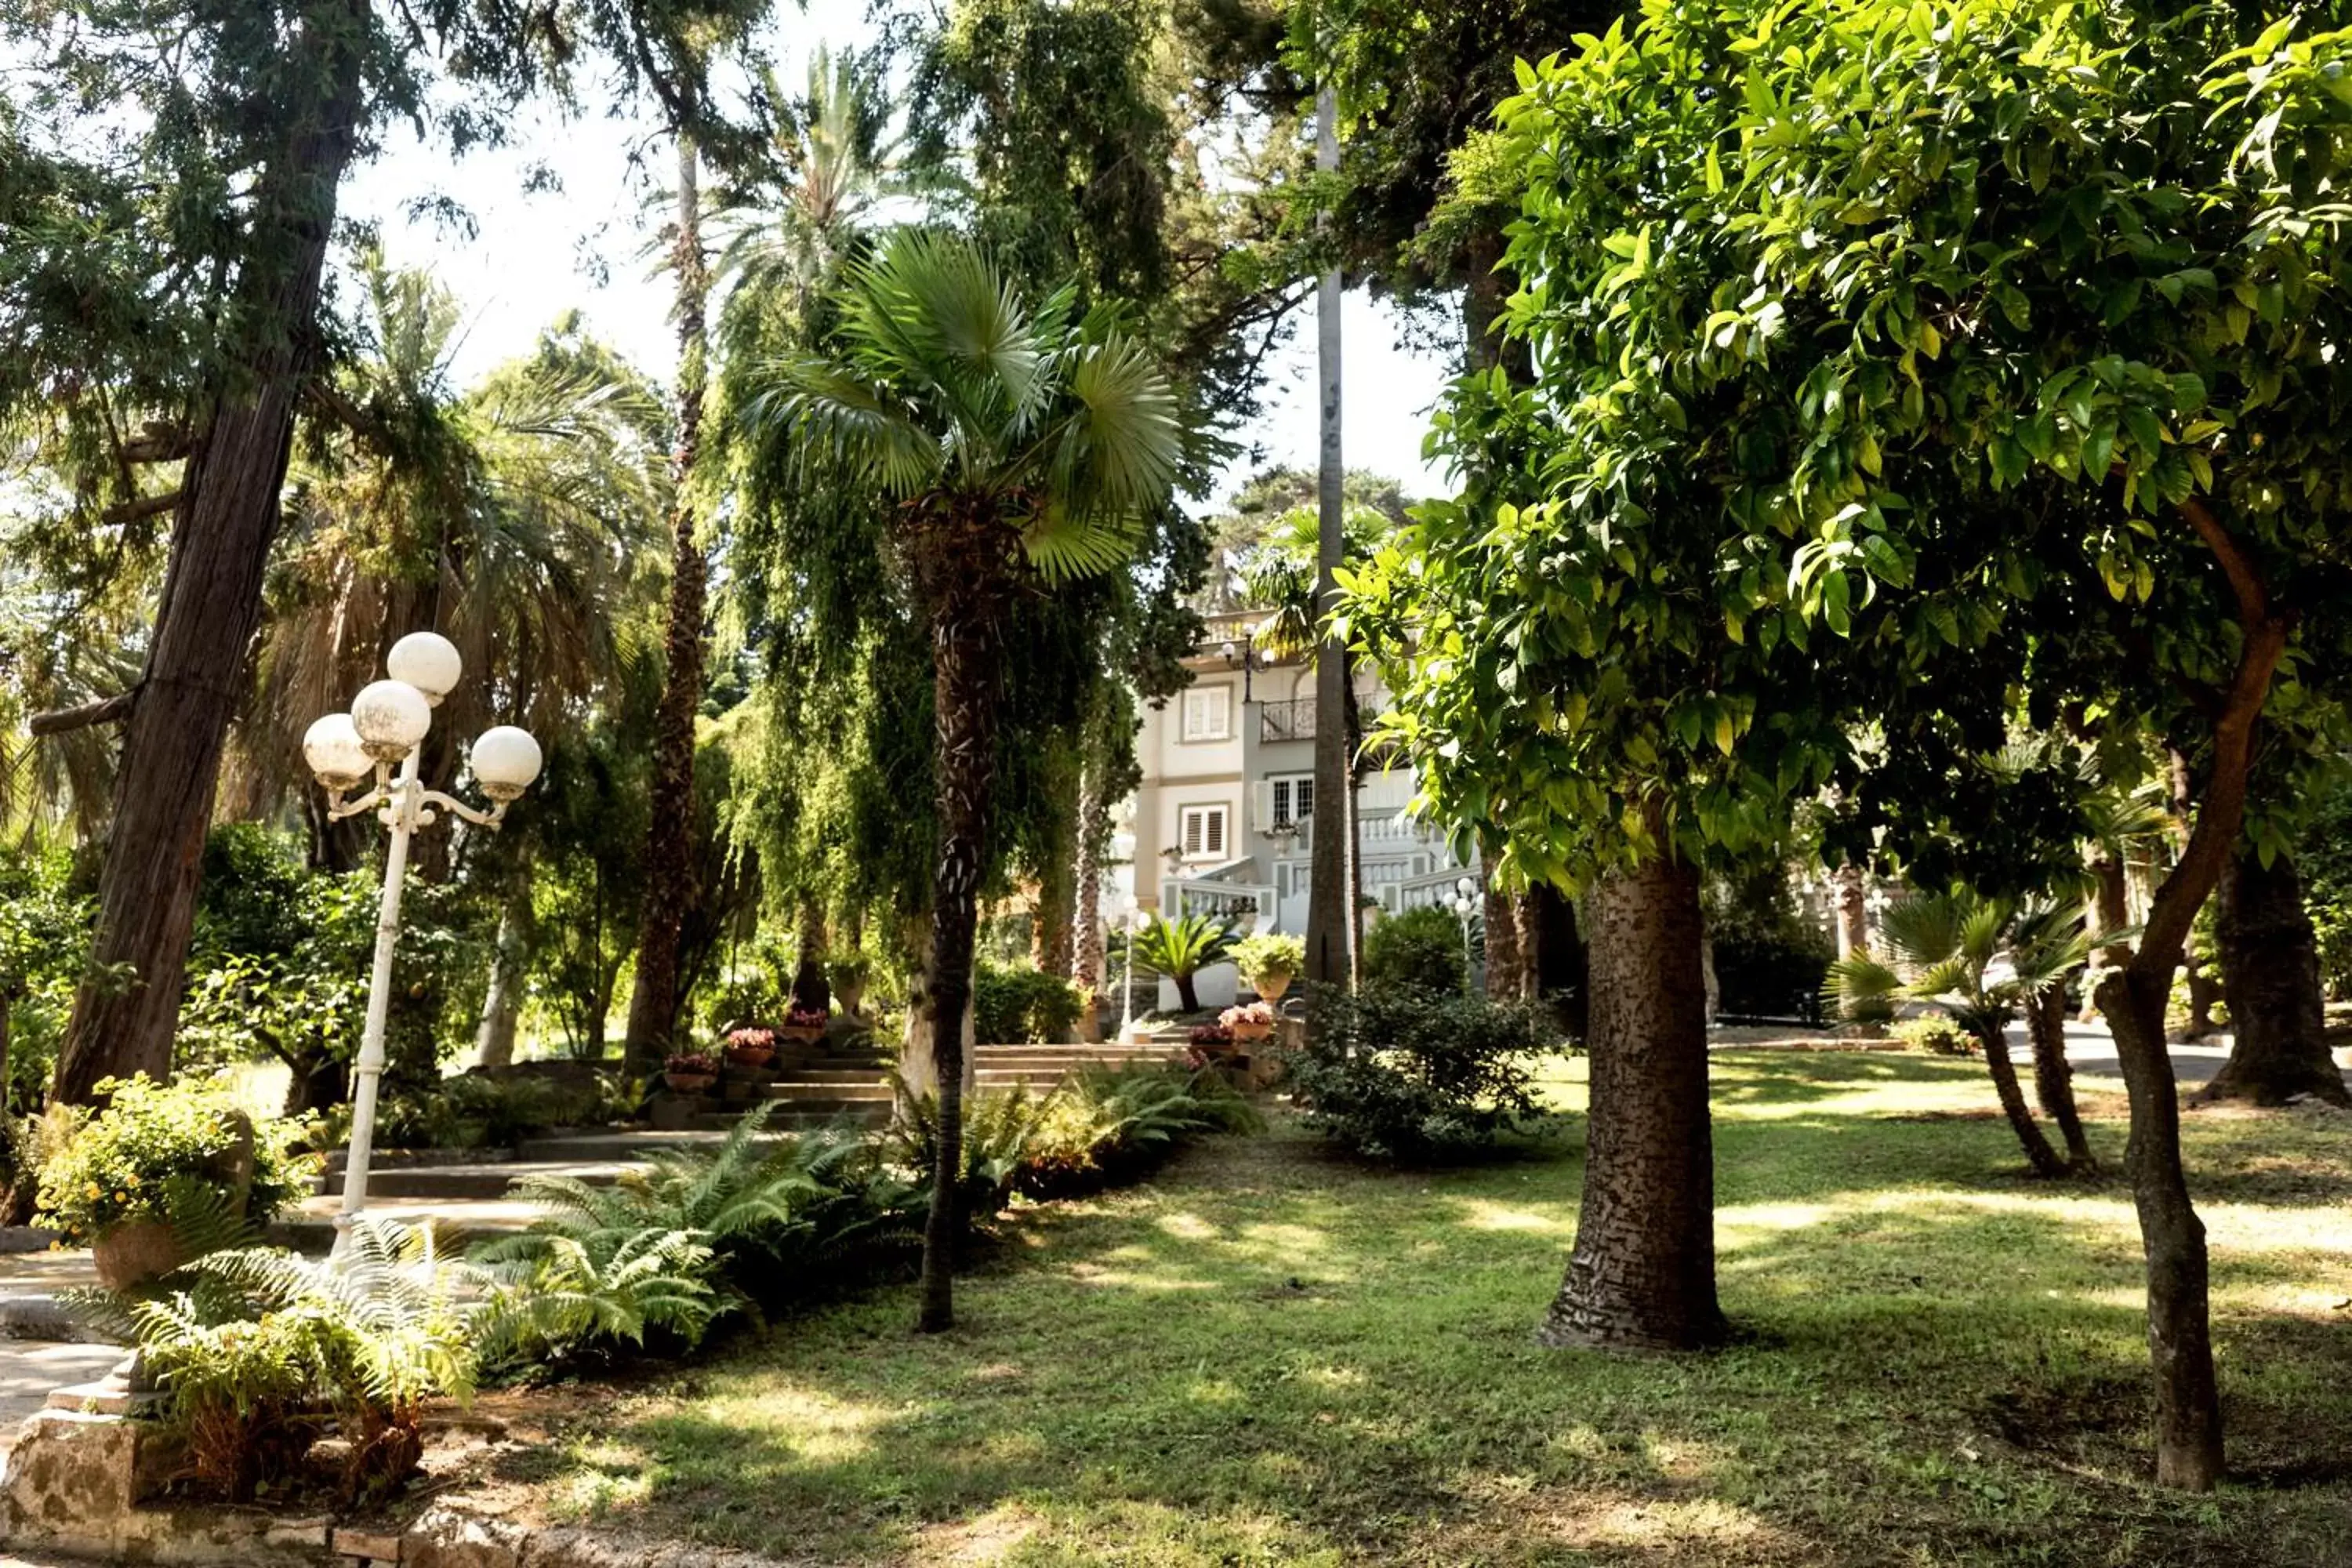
[1769, 962]
[1935, 1032]
[1413, 1074]
[177, 1153]
[1418, 949]
[477, 1111]
[1017, 1003]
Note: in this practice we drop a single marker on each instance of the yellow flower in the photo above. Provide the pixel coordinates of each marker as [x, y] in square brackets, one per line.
[122, 1197]
[93, 1190]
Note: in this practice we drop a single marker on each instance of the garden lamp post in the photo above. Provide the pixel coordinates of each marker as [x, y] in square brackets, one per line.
[385, 732]
[1135, 919]
[1465, 909]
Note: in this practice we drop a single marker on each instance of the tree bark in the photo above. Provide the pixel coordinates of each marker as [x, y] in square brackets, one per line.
[494, 1039]
[1057, 893]
[2038, 1151]
[227, 517]
[810, 989]
[2111, 911]
[1330, 921]
[2189, 1453]
[2054, 1076]
[1643, 1272]
[1506, 976]
[2270, 971]
[669, 850]
[966, 669]
[1086, 952]
[1853, 910]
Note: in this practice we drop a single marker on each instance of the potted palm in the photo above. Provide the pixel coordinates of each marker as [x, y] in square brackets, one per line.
[1181, 949]
[1269, 964]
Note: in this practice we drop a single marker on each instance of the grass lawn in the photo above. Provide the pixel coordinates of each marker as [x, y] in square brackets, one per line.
[1271, 1355]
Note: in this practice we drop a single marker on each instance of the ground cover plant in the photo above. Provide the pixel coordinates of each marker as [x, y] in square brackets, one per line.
[1271, 1355]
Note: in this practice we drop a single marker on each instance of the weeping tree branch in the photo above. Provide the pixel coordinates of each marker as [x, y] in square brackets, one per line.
[106, 711]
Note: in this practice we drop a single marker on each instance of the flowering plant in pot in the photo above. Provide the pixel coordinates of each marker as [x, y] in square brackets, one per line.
[1254, 1022]
[751, 1045]
[1269, 962]
[691, 1072]
[803, 1024]
[164, 1167]
[1208, 1044]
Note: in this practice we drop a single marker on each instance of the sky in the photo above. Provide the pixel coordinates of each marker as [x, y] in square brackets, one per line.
[583, 245]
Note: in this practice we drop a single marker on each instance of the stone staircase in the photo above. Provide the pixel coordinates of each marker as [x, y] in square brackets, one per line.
[466, 1193]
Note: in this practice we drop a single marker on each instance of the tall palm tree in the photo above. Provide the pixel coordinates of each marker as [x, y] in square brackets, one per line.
[1951, 950]
[1019, 448]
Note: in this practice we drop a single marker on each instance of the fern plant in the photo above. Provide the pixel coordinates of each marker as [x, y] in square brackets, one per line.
[651, 1252]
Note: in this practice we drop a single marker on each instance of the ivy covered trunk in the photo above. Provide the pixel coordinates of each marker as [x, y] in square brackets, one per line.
[966, 657]
[2270, 972]
[1086, 948]
[669, 848]
[810, 989]
[194, 678]
[2054, 1076]
[1643, 1272]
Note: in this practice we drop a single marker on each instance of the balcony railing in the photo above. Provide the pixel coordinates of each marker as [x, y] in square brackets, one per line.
[1292, 720]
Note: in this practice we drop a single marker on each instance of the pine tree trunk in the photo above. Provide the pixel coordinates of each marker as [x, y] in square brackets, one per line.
[2054, 1076]
[195, 677]
[2038, 1151]
[670, 889]
[966, 657]
[2270, 971]
[1643, 1272]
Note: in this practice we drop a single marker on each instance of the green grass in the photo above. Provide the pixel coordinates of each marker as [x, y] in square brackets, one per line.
[1270, 1356]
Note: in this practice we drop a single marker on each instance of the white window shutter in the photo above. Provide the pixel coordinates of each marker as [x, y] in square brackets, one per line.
[1192, 831]
[1213, 833]
[1265, 803]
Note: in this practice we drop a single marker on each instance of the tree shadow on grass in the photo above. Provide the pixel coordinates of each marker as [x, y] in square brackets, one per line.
[1271, 1357]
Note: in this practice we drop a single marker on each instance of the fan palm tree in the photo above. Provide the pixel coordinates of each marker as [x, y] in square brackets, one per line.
[1018, 447]
[1948, 948]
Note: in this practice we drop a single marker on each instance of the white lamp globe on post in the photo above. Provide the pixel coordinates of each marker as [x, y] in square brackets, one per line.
[383, 731]
[1465, 907]
[428, 662]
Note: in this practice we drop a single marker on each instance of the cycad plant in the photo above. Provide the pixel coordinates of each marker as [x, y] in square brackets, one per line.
[1182, 948]
[1016, 447]
[1951, 950]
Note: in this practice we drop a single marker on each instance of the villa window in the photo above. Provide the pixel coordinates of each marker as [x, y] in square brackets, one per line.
[1204, 836]
[1209, 713]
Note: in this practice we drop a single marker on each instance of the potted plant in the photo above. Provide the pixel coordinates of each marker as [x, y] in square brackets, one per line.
[802, 1025]
[1254, 1022]
[161, 1163]
[849, 977]
[750, 1047]
[1181, 949]
[691, 1072]
[1209, 1045]
[1269, 962]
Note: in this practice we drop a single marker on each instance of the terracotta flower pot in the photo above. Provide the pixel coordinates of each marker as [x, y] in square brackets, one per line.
[751, 1056]
[689, 1082]
[801, 1034]
[1247, 1031]
[849, 993]
[133, 1254]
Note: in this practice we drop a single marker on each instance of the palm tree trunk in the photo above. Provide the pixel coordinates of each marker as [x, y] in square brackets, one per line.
[2111, 911]
[1086, 957]
[1853, 910]
[2270, 970]
[2054, 1076]
[1643, 1272]
[502, 1001]
[1330, 950]
[2038, 1151]
[221, 536]
[966, 669]
[669, 849]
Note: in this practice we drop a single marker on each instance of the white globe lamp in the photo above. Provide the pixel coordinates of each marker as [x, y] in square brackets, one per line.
[338, 758]
[505, 761]
[428, 661]
[391, 716]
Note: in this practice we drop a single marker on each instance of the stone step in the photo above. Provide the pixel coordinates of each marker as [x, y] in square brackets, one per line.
[312, 1227]
[864, 1113]
[488, 1180]
[383, 1160]
[826, 1096]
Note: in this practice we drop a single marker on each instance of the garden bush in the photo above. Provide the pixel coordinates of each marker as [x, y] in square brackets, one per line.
[178, 1154]
[1421, 948]
[1413, 1074]
[1020, 1004]
[1935, 1032]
